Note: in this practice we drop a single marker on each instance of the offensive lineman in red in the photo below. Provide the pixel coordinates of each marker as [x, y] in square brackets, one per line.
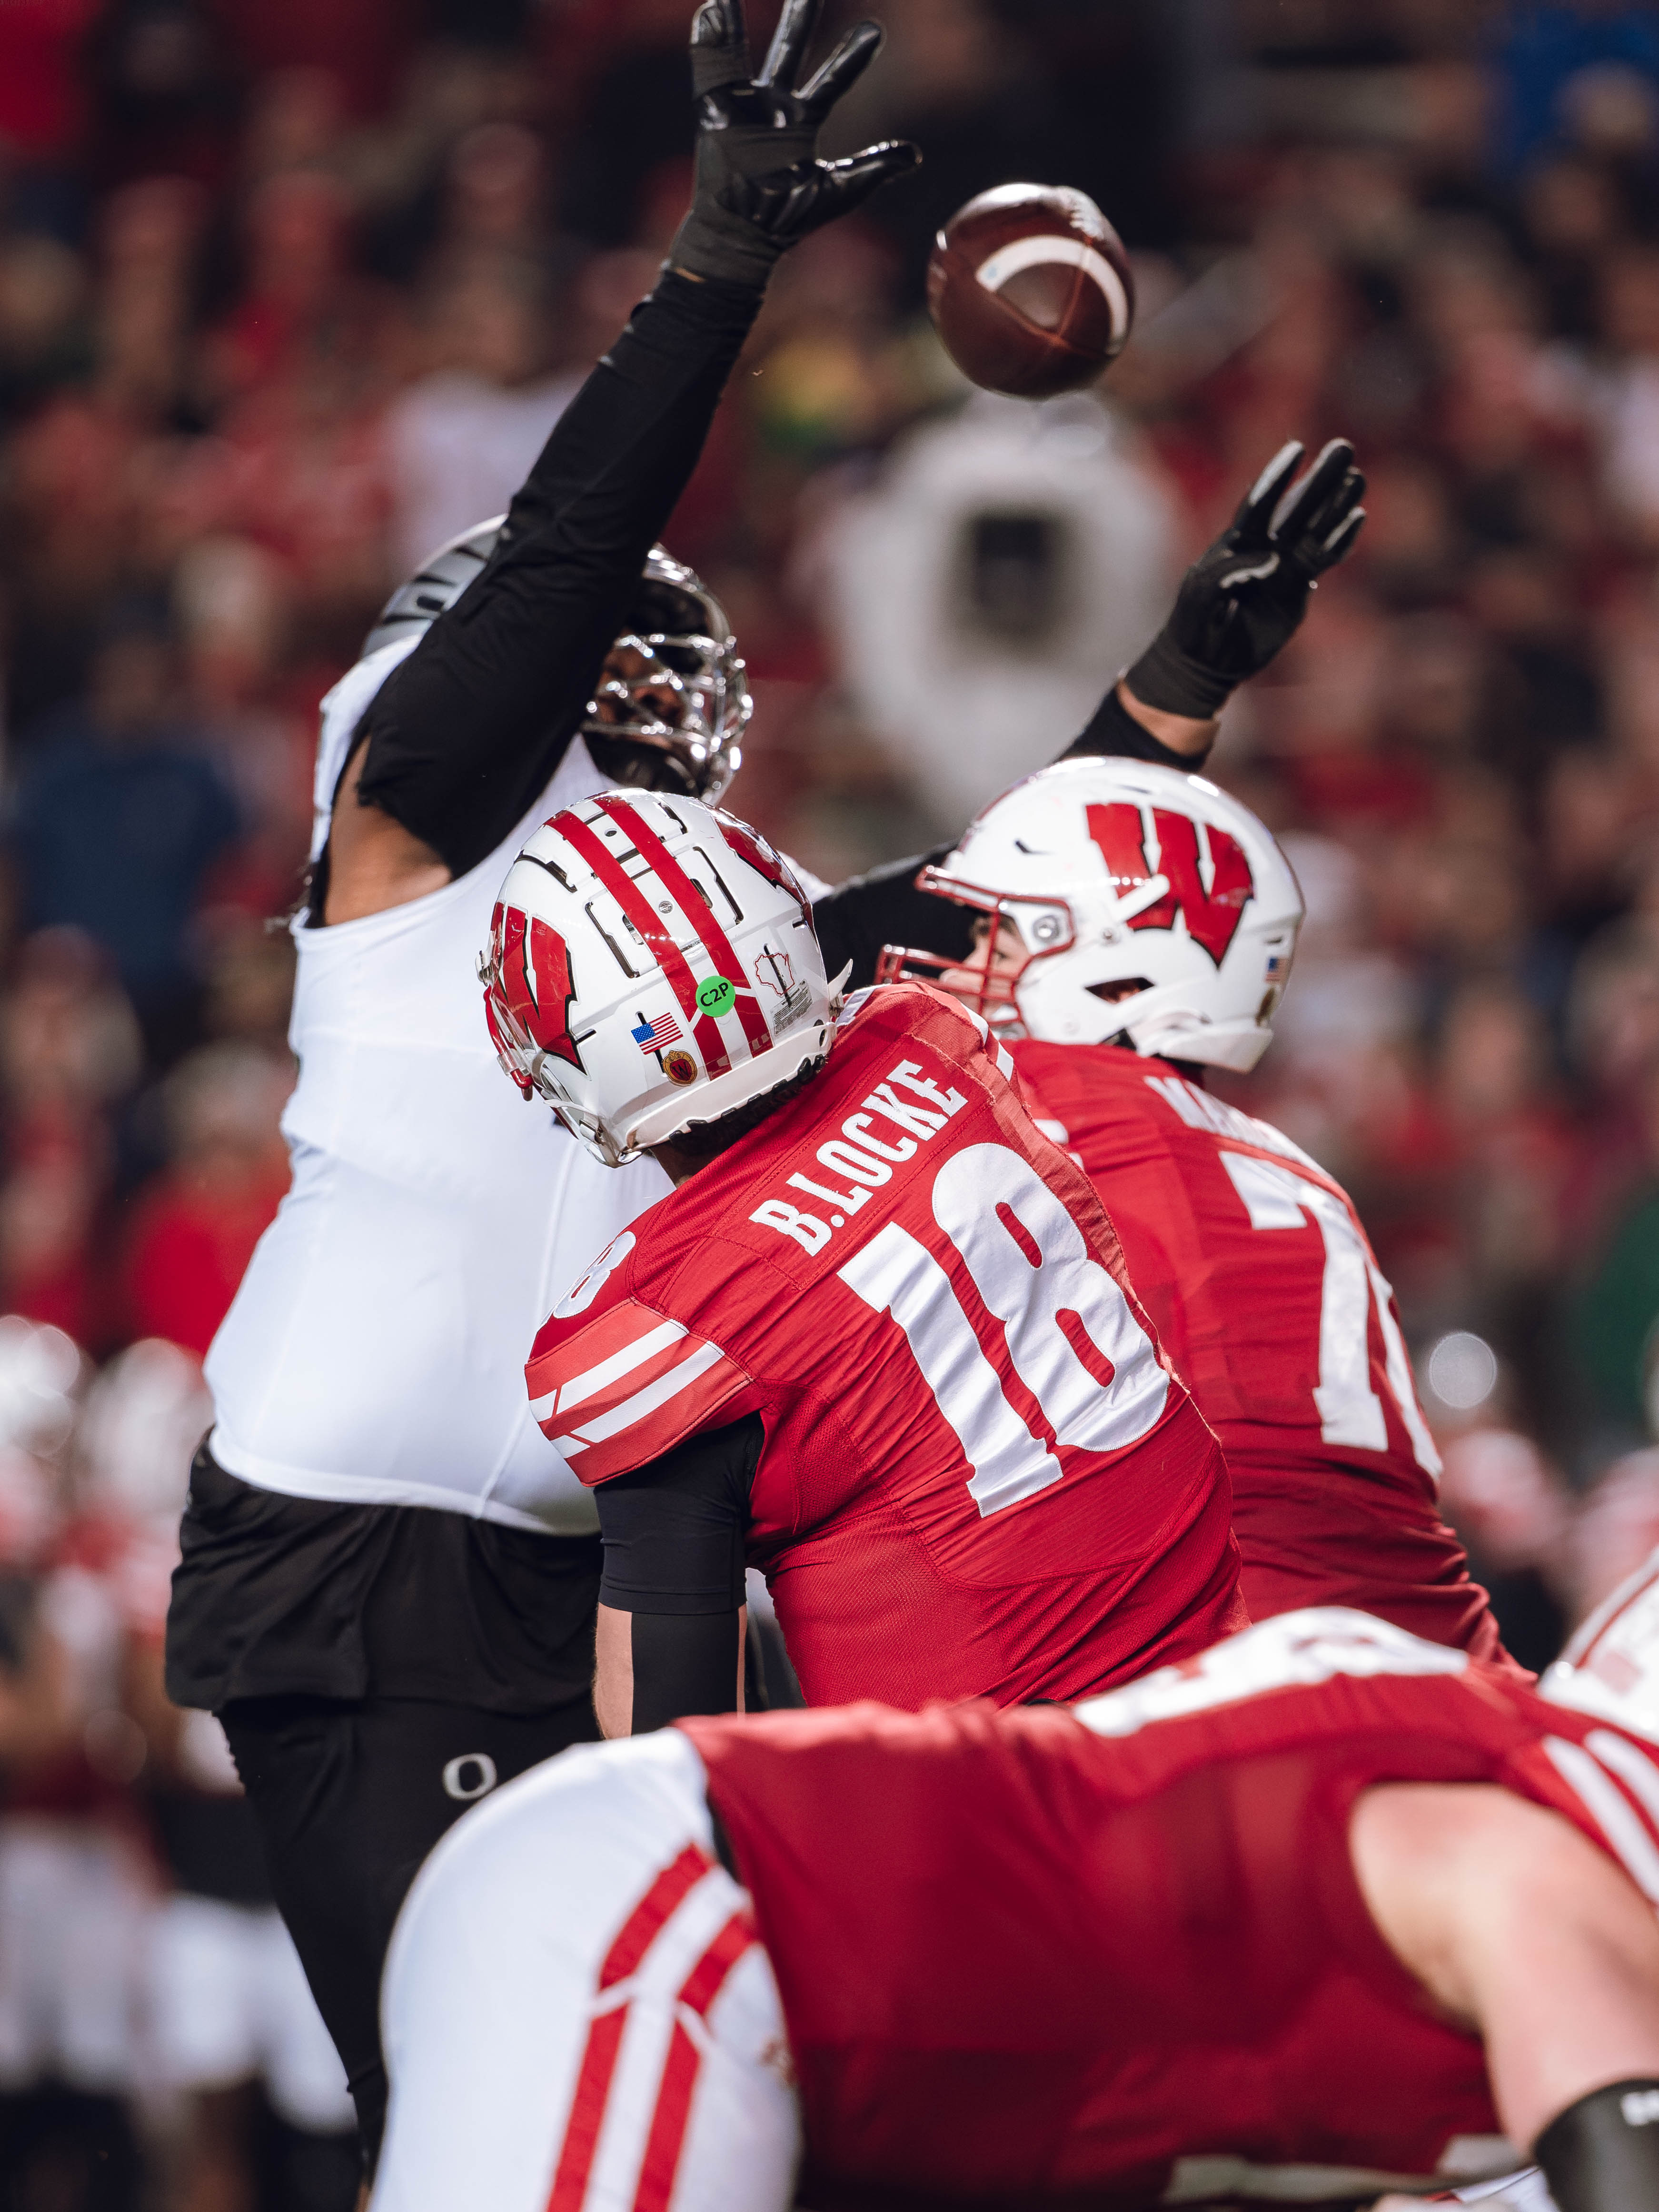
[1138, 926]
[1329, 1911]
[879, 1341]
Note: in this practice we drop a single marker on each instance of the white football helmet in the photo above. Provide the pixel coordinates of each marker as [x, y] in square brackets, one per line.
[652, 965]
[1148, 904]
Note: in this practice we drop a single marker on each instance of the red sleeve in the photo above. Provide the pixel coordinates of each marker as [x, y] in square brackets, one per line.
[614, 1388]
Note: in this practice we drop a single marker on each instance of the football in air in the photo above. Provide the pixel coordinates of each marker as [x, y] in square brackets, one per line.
[1030, 290]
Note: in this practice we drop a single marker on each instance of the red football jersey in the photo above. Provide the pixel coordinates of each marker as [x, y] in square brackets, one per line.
[979, 1476]
[1022, 1954]
[1271, 1305]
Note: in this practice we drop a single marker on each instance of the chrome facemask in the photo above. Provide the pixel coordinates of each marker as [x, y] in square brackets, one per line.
[682, 695]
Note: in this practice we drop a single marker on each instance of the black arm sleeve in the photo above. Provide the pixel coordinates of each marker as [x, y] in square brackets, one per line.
[683, 1663]
[673, 1529]
[466, 731]
[673, 1533]
[1114, 730]
[855, 920]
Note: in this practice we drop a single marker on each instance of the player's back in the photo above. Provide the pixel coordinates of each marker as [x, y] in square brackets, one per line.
[978, 1476]
[1269, 1302]
[1024, 1955]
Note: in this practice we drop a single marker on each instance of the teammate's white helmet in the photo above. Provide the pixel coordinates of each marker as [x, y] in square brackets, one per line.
[1149, 905]
[652, 965]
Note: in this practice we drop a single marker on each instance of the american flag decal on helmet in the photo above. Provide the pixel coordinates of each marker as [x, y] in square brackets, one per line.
[658, 1035]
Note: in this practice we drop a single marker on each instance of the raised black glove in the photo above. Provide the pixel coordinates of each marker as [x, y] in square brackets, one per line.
[759, 185]
[1241, 601]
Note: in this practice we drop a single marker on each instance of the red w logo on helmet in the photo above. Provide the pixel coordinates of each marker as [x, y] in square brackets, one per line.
[534, 986]
[1212, 916]
[765, 861]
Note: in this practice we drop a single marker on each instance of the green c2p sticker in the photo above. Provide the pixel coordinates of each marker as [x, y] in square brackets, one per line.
[716, 996]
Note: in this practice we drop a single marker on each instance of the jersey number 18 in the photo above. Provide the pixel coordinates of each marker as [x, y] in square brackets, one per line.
[1066, 1331]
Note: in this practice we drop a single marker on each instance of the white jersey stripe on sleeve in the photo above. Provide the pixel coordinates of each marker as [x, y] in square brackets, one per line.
[643, 1402]
[1634, 1769]
[606, 1371]
[1611, 1811]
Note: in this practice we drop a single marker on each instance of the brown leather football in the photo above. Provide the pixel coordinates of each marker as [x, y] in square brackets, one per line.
[1029, 290]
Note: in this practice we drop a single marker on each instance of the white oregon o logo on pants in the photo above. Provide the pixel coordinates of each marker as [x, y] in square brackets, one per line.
[472, 1775]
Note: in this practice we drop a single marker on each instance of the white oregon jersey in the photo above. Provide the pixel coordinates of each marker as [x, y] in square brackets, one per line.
[374, 1354]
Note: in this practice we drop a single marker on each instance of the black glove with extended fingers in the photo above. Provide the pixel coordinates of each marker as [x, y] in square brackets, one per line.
[1241, 601]
[760, 187]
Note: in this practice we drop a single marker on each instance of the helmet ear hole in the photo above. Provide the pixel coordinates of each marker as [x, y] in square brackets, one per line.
[1122, 987]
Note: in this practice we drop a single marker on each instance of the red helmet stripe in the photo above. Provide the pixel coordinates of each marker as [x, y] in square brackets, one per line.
[718, 945]
[615, 877]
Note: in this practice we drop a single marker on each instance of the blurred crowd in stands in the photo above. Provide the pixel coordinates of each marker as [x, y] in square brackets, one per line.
[291, 291]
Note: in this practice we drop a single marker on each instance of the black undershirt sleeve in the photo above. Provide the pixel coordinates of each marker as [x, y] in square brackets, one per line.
[855, 920]
[1114, 730]
[683, 1663]
[465, 732]
[673, 1532]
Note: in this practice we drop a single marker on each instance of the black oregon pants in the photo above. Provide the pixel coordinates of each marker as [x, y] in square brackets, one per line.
[349, 1799]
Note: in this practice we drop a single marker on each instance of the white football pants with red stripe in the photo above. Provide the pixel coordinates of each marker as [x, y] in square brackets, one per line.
[577, 2014]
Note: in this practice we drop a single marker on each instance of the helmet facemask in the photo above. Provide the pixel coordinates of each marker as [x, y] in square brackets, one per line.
[1010, 935]
[673, 698]
[530, 1068]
